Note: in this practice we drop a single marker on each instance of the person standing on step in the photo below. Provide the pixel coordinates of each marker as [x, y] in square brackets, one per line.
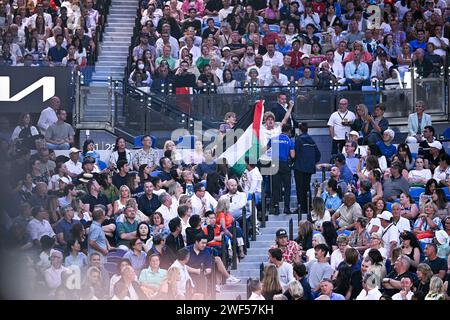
[307, 155]
[282, 148]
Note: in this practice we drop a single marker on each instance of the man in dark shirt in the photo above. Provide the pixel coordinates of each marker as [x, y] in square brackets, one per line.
[200, 259]
[437, 265]
[424, 65]
[165, 174]
[192, 21]
[148, 202]
[207, 166]
[211, 30]
[174, 240]
[166, 18]
[94, 197]
[162, 80]
[183, 78]
[428, 137]
[365, 196]
[58, 52]
[212, 7]
[391, 283]
[120, 179]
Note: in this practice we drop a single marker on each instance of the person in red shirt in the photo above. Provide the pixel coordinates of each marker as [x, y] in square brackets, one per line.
[319, 7]
[296, 55]
[269, 36]
[290, 249]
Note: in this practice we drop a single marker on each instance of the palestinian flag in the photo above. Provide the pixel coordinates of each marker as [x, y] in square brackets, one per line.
[243, 140]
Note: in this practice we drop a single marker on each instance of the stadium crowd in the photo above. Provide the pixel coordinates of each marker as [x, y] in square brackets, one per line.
[50, 32]
[228, 46]
[148, 224]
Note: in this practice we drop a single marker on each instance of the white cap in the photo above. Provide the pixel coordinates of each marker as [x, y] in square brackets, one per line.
[226, 48]
[354, 133]
[74, 150]
[305, 55]
[65, 180]
[441, 236]
[435, 144]
[385, 215]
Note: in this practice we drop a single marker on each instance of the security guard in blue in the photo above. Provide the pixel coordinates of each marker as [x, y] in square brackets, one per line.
[282, 148]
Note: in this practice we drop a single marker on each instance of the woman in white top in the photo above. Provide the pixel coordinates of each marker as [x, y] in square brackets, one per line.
[373, 224]
[316, 239]
[319, 214]
[194, 156]
[121, 203]
[24, 130]
[420, 175]
[228, 85]
[175, 190]
[291, 33]
[62, 172]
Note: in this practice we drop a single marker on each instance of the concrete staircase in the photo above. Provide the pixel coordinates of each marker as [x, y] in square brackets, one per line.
[112, 59]
[116, 40]
[257, 253]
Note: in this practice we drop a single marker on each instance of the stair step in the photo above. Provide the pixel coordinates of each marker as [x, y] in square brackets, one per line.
[238, 287]
[245, 273]
[255, 258]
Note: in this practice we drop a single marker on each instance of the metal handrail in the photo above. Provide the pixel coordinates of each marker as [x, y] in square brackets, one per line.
[234, 247]
[254, 220]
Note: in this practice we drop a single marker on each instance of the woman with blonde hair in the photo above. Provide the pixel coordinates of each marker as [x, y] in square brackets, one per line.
[169, 286]
[225, 220]
[125, 195]
[319, 214]
[305, 232]
[361, 116]
[175, 190]
[424, 274]
[427, 222]
[436, 289]
[270, 283]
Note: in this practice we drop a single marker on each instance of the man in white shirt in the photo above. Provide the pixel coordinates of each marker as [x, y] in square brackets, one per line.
[53, 274]
[167, 209]
[237, 199]
[39, 226]
[40, 11]
[370, 288]
[48, 115]
[400, 222]
[341, 52]
[285, 270]
[339, 125]
[181, 265]
[270, 128]
[275, 79]
[406, 284]
[225, 11]
[263, 70]
[272, 57]
[202, 200]
[74, 165]
[336, 67]
[390, 234]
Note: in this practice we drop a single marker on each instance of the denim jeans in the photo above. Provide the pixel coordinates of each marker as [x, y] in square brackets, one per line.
[63, 146]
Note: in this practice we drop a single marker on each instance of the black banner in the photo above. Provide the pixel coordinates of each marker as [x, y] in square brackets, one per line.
[27, 89]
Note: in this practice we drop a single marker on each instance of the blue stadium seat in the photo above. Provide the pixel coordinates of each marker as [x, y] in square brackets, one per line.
[274, 28]
[446, 133]
[102, 165]
[447, 193]
[138, 144]
[415, 193]
[111, 267]
[155, 173]
[414, 155]
[389, 206]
